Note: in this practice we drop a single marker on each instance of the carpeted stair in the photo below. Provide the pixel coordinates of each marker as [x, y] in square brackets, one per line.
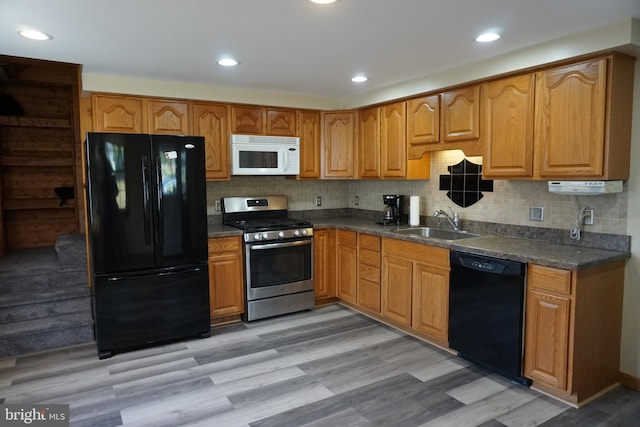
[45, 300]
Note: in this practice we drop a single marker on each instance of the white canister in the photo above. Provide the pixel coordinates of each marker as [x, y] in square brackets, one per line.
[414, 210]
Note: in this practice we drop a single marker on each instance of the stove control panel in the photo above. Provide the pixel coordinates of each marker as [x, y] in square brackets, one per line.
[265, 236]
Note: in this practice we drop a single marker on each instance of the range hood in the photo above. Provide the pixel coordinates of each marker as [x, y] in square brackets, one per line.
[585, 188]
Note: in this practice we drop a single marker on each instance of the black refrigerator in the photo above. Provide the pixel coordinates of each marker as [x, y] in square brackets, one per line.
[147, 234]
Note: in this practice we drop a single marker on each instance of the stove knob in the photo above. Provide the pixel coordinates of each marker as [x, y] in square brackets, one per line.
[281, 234]
[304, 232]
[257, 236]
[296, 233]
[265, 236]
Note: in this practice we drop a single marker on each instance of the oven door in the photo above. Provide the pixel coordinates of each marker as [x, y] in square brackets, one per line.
[281, 268]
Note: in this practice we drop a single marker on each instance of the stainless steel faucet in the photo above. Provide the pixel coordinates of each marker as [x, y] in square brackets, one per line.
[454, 218]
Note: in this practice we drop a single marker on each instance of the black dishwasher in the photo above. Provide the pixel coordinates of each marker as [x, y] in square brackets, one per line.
[486, 301]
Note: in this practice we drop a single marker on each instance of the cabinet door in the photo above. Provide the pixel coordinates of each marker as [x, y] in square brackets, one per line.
[507, 126]
[347, 265]
[226, 296]
[547, 339]
[396, 289]
[324, 267]
[393, 140]
[168, 117]
[119, 114]
[570, 120]
[247, 120]
[210, 121]
[460, 114]
[281, 122]
[423, 124]
[338, 139]
[309, 144]
[431, 301]
[369, 143]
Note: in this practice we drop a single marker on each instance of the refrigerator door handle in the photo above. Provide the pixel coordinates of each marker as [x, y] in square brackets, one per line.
[146, 201]
[159, 193]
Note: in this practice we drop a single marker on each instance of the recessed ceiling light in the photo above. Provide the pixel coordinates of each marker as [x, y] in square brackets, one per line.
[227, 62]
[34, 35]
[487, 37]
[323, 1]
[359, 78]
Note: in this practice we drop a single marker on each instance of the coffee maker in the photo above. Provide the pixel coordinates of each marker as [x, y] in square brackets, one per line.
[392, 209]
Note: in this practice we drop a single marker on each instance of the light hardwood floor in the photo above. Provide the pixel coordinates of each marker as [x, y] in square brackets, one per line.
[325, 367]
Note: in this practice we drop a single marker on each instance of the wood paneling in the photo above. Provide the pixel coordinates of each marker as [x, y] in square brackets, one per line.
[38, 153]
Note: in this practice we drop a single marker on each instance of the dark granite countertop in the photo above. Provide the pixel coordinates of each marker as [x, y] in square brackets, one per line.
[516, 249]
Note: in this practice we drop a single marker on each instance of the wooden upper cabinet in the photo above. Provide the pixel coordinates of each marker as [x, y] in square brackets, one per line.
[393, 137]
[369, 143]
[210, 121]
[119, 114]
[507, 126]
[570, 120]
[281, 122]
[247, 120]
[263, 121]
[309, 123]
[423, 124]
[338, 138]
[460, 116]
[168, 117]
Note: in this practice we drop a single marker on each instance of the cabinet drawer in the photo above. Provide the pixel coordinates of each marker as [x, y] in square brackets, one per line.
[371, 258]
[549, 279]
[369, 273]
[347, 238]
[371, 242]
[225, 244]
[369, 295]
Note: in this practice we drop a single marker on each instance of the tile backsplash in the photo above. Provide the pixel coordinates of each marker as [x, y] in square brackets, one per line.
[508, 203]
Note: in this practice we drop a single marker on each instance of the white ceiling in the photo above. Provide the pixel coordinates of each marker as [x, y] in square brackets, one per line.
[291, 46]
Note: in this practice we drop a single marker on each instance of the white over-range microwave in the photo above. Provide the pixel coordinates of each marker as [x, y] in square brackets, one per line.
[265, 155]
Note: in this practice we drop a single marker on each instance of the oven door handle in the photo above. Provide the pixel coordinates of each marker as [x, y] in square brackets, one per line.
[261, 246]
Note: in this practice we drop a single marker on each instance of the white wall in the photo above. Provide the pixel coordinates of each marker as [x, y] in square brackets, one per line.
[630, 357]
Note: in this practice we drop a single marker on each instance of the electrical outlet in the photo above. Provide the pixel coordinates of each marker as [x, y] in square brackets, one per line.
[588, 217]
[318, 200]
[536, 213]
[217, 205]
[356, 200]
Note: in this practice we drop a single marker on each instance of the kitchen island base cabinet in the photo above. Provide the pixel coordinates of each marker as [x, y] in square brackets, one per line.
[226, 292]
[573, 330]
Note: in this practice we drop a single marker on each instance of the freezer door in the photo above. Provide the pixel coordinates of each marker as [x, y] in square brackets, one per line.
[140, 309]
[180, 200]
[119, 202]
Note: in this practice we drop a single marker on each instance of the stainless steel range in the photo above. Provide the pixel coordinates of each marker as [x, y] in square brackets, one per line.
[278, 255]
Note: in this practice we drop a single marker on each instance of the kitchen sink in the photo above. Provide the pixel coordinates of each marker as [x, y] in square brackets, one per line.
[436, 233]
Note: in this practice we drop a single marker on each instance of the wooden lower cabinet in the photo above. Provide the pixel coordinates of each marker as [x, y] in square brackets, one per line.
[347, 265]
[226, 294]
[368, 292]
[431, 300]
[324, 263]
[573, 329]
[396, 289]
[415, 287]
